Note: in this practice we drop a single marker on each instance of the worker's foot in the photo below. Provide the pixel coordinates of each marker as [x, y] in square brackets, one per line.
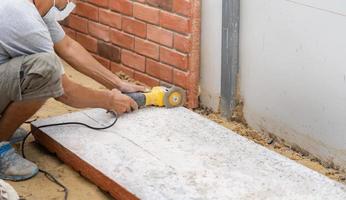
[7, 192]
[14, 167]
[18, 136]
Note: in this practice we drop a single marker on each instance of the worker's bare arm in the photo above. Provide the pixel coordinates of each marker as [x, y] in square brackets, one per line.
[80, 59]
[79, 96]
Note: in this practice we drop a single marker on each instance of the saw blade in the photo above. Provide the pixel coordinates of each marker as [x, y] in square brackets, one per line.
[175, 97]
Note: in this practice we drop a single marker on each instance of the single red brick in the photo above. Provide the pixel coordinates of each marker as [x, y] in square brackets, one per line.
[101, 3]
[133, 60]
[174, 22]
[182, 7]
[158, 70]
[182, 43]
[103, 61]
[159, 35]
[116, 67]
[87, 42]
[180, 78]
[88, 11]
[146, 13]
[174, 58]
[110, 18]
[147, 48]
[192, 101]
[148, 80]
[155, 3]
[78, 23]
[122, 39]
[108, 51]
[122, 6]
[99, 31]
[71, 33]
[164, 4]
[135, 27]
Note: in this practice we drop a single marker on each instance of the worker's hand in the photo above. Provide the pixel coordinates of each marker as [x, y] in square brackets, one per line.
[127, 87]
[121, 103]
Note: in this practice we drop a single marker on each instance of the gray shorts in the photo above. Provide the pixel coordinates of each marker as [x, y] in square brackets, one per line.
[30, 77]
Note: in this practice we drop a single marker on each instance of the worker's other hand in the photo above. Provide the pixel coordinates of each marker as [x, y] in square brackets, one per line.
[121, 103]
[127, 87]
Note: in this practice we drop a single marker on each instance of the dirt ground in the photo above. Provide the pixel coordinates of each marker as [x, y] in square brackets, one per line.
[40, 188]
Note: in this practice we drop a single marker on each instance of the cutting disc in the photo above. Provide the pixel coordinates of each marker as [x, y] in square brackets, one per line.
[174, 97]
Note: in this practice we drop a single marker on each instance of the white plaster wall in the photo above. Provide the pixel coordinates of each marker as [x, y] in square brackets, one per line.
[293, 72]
[211, 53]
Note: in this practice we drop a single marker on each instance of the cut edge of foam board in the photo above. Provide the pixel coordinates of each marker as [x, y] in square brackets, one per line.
[85, 169]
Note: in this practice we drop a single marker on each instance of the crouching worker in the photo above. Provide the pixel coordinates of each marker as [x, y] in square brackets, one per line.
[31, 72]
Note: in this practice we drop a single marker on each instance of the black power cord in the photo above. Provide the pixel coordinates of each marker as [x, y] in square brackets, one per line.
[49, 175]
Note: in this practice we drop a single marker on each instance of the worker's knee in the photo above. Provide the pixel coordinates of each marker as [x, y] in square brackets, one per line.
[41, 76]
[47, 65]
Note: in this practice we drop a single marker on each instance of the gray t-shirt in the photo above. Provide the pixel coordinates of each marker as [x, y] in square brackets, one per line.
[24, 32]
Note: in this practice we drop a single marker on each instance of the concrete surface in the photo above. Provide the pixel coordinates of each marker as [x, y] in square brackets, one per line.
[177, 154]
[293, 75]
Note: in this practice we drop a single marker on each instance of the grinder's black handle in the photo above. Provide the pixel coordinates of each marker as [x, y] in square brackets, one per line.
[139, 98]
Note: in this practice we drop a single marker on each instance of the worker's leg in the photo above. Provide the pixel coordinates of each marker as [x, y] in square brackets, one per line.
[15, 115]
[39, 78]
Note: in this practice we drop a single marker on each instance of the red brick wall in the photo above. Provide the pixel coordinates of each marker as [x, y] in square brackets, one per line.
[153, 41]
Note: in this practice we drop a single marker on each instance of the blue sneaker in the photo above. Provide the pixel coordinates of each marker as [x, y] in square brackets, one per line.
[14, 167]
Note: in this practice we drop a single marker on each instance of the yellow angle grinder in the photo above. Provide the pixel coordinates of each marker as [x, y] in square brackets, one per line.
[161, 97]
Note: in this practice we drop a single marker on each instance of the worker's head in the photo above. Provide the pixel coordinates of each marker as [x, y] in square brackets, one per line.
[58, 9]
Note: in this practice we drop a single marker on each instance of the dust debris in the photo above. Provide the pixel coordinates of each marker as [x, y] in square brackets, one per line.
[123, 76]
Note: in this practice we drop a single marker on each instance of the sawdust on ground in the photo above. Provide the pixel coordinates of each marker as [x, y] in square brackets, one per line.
[40, 188]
